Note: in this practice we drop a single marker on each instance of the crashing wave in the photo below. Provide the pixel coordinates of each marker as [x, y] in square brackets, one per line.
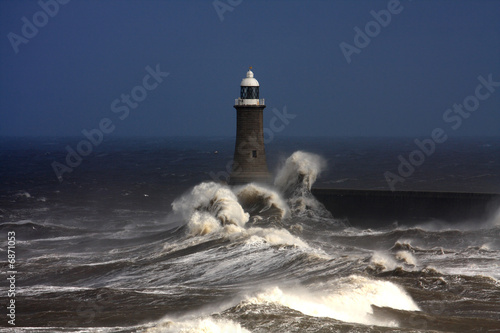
[208, 206]
[257, 199]
[348, 299]
[295, 180]
[211, 206]
[299, 173]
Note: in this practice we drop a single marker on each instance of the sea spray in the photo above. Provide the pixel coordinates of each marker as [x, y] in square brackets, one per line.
[494, 220]
[406, 257]
[381, 261]
[207, 203]
[211, 207]
[300, 171]
[202, 223]
[295, 180]
[384, 261]
[210, 202]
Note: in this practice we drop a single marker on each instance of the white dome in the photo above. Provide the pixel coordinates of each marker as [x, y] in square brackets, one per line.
[249, 81]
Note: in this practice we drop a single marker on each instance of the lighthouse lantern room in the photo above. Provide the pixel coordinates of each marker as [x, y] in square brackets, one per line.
[249, 91]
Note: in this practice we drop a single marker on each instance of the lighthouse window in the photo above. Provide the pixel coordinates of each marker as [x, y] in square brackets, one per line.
[254, 153]
[249, 93]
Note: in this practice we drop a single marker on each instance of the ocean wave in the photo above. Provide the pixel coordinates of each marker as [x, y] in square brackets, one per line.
[300, 172]
[274, 236]
[211, 207]
[34, 230]
[405, 245]
[295, 179]
[207, 205]
[407, 257]
[381, 261]
[347, 299]
[257, 199]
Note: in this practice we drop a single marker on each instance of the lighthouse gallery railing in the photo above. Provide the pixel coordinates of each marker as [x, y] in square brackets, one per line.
[240, 101]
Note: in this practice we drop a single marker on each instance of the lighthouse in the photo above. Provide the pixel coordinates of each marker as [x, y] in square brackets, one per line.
[249, 164]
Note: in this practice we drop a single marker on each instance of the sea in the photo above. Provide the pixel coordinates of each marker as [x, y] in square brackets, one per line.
[144, 235]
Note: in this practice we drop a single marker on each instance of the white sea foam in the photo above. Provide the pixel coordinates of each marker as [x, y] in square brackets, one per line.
[207, 204]
[254, 235]
[486, 247]
[301, 168]
[407, 257]
[295, 180]
[200, 325]
[210, 206]
[202, 223]
[383, 261]
[348, 299]
[275, 237]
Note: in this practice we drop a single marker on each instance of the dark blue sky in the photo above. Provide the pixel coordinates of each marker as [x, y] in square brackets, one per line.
[427, 58]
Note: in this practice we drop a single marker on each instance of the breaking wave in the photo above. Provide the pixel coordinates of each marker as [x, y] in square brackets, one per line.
[257, 199]
[348, 299]
[295, 180]
[383, 261]
[274, 236]
[299, 173]
[224, 212]
[406, 257]
[211, 206]
[208, 207]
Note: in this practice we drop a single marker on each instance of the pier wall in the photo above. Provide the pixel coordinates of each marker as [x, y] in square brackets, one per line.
[377, 208]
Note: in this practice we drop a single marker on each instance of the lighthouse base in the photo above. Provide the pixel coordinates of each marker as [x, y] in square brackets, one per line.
[250, 177]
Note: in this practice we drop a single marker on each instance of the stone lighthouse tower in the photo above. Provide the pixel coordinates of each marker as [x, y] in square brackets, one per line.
[249, 153]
